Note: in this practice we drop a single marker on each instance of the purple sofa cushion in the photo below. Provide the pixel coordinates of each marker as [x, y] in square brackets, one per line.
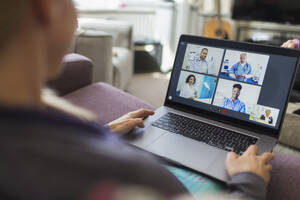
[76, 73]
[106, 101]
[285, 178]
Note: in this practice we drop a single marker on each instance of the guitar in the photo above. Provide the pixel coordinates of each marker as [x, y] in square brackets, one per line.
[218, 28]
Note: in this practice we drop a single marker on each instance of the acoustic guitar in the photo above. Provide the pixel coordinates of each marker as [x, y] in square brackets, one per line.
[218, 28]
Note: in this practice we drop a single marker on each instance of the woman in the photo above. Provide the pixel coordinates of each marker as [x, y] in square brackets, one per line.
[48, 154]
[188, 90]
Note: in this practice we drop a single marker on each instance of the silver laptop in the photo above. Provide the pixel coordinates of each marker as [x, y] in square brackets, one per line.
[223, 96]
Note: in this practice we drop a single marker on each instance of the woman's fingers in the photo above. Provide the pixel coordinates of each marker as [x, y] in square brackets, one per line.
[127, 122]
[137, 122]
[231, 156]
[267, 157]
[127, 125]
[269, 168]
[252, 150]
[141, 113]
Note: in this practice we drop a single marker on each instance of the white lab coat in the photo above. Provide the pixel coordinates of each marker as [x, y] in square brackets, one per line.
[188, 91]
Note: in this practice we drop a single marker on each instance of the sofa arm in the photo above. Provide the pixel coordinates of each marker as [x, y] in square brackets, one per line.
[123, 67]
[76, 73]
[97, 46]
[289, 134]
[106, 102]
[285, 179]
[121, 31]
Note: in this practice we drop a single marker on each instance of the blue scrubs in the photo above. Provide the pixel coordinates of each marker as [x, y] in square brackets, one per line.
[236, 106]
[238, 70]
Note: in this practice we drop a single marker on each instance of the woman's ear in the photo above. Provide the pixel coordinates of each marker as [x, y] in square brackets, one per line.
[45, 11]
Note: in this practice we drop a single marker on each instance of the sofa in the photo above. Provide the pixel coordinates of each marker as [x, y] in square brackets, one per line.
[109, 103]
[295, 96]
[109, 43]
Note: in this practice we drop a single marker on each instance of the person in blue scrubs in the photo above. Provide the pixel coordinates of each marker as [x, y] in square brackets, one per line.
[241, 70]
[234, 103]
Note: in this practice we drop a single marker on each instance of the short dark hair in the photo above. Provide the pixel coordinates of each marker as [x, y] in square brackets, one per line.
[237, 86]
[188, 78]
[204, 49]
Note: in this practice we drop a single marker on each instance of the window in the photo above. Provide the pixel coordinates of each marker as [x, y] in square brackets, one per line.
[106, 4]
[96, 3]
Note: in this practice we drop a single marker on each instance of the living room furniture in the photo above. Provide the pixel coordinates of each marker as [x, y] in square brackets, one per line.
[109, 103]
[97, 46]
[109, 44]
[295, 96]
[159, 20]
[148, 56]
[76, 73]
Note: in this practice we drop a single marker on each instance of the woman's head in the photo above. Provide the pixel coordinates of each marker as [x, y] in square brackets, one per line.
[191, 79]
[10, 19]
[47, 24]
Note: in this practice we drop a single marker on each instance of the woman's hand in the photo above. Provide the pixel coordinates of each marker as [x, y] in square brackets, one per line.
[127, 122]
[250, 162]
[289, 44]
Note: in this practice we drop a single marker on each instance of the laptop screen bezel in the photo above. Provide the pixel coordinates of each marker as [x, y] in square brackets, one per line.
[246, 47]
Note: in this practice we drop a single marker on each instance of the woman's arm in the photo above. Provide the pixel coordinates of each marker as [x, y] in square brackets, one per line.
[247, 186]
[250, 173]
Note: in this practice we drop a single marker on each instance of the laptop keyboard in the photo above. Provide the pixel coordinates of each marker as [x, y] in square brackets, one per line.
[207, 133]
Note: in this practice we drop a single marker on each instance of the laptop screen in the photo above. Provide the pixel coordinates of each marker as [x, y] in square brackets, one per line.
[235, 80]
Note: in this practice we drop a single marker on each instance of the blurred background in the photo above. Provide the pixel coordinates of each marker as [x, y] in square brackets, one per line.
[153, 28]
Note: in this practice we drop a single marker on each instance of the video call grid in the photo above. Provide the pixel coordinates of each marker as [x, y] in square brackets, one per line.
[218, 77]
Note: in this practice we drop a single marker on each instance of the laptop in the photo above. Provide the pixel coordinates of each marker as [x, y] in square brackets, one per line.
[223, 96]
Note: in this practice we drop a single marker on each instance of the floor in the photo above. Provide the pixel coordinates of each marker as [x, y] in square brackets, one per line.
[150, 87]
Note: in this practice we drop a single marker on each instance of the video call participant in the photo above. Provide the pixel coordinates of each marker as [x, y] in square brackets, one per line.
[267, 117]
[188, 90]
[234, 103]
[241, 70]
[200, 64]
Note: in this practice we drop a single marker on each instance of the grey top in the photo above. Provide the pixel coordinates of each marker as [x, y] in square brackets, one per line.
[247, 186]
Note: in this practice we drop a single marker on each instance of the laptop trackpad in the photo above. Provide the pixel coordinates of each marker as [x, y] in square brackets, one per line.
[143, 140]
[183, 150]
